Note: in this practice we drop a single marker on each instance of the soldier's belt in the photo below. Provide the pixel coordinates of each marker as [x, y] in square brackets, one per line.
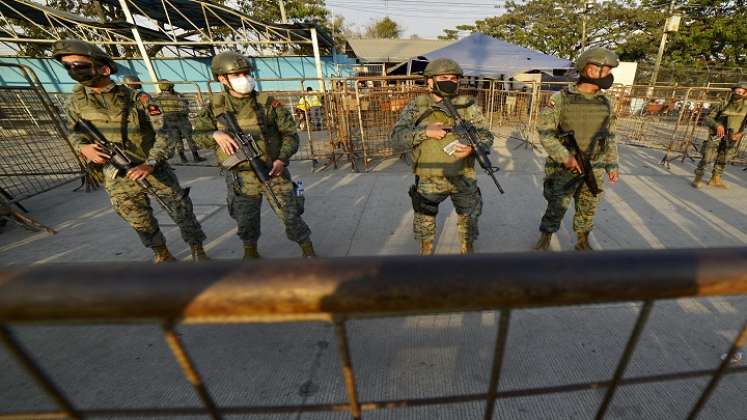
[595, 165]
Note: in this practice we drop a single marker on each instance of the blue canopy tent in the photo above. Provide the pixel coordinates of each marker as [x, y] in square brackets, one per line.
[482, 55]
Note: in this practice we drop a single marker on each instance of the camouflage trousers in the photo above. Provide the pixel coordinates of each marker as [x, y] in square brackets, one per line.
[719, 150]
[178, 129]
[559, 196]
[245, 205]
[132, 204]
[466, 199]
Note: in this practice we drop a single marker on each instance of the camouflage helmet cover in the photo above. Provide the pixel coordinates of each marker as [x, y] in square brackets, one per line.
[441, 66]
[230, 62]
[742, 84]
[65, 47]
[131, 79]
[597, 55]
[164, 84]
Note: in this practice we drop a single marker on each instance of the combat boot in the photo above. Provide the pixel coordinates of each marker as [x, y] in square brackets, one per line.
[426, 247]
[182, 157]
[715, 181]
[251, 253]
[467, 248]
[307, 249]
[543, 243]
[162, 255]
[696, 182]
[582, 242]
[196, 156]
[198, 253]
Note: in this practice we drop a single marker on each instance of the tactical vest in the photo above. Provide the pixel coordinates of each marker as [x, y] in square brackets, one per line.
[429, 156]
[584, 116]
[733, 115]
[105, 112]
[171, 103]
[255, 118]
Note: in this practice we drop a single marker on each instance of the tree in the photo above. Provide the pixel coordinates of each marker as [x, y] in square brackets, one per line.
[608, 24]
[384, 28]
[268, 11]
[449, 34]
[712, 31]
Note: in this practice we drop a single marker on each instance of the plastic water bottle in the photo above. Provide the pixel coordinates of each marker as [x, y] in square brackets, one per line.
[299, 188]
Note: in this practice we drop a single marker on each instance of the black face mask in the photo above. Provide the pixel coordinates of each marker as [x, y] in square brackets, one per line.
[445, 88]
[83, 73]
[603, 83]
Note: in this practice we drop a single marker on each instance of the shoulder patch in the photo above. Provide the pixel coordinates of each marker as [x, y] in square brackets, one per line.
[144, 98]
[153, 109]
[276, 103]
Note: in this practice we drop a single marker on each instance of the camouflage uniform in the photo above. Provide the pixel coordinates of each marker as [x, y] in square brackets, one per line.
[585, 114]
[439, 175]
[175, 108]
[143, 144]
[274, 129]
[731, 115]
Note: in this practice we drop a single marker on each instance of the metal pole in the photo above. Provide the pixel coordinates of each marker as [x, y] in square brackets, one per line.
[663, 43]
[583, 30]
[139, 41]
[317, 59]
[283, 17]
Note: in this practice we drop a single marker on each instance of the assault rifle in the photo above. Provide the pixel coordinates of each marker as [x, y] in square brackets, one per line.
[119, 159]
[584, 161]
[248, 152]
[467, 134]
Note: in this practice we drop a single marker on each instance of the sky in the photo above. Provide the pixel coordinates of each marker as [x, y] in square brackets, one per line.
[425, 18]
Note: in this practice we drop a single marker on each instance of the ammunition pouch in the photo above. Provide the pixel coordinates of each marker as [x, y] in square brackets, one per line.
[421, 204]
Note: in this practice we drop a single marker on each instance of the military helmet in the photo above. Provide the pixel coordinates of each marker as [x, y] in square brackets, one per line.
[65, 47]
[441, 66]
[164, 84]
[597, 55]
[230, 62]
[742, 84]
[132, 81]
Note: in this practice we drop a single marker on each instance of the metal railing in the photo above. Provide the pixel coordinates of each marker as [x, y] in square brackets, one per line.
[35, 154]
[337, 290]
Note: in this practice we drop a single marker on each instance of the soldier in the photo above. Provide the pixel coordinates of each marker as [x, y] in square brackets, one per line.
[274, 129]
[124, 117]
[585, 110]
[175, 108]
[726, 122]
[443, 166]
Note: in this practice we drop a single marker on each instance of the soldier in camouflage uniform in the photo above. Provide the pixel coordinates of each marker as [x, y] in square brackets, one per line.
[125, 117]
[585, 110]
[726, 122]
[441, 172]
[175, 108]
[274, 130]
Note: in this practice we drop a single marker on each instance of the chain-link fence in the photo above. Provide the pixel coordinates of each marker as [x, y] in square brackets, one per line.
[35, 155]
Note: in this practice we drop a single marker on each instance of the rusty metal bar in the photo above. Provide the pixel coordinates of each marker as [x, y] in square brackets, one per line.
[222, 291]
[343, 348]
[495, 372]
[37, 373]
[738, 343]
[189, 370]
[635, 335]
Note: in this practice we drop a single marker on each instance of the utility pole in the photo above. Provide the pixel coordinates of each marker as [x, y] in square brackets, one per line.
[584, 19]
[283, 17]
[672, 24]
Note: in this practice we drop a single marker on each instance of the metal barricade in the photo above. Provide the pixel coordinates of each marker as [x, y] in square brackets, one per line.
[339, 290]
[36, 155]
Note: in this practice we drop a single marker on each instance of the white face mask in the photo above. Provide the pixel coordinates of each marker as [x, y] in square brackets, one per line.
[242, 84]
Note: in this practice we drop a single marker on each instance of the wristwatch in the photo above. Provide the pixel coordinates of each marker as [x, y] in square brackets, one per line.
[152, 163]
